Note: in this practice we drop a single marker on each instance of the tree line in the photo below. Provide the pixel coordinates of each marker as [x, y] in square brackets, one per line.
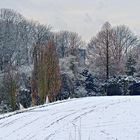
[54, 66]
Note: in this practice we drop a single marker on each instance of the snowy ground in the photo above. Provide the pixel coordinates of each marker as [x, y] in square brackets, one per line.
[93, 118]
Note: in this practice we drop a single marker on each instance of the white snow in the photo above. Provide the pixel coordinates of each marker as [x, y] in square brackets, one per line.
[92, 118]
[21, 107]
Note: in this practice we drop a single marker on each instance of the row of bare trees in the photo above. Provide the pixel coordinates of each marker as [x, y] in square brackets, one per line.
[109, 49]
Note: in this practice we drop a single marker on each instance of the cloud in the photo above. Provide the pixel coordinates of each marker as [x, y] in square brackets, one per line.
[82, 16]
[88, 19]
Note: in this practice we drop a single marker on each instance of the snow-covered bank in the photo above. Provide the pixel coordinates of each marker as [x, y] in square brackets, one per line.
[92, 118]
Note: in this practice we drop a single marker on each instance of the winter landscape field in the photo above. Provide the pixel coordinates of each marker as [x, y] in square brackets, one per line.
[91, 118]
[69, 70]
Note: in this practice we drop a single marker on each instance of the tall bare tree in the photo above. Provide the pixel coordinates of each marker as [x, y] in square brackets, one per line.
[53, 80]
[46, 79]
[109, 49]
[100, 46]
[123, 40]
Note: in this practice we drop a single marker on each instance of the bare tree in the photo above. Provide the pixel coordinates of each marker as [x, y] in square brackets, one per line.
[67, 43]
[46, 79]
[100, 46]
[123, 41]
[53, 80]
[110, 47]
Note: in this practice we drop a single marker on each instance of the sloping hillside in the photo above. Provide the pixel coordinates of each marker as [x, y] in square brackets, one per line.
[92, 118]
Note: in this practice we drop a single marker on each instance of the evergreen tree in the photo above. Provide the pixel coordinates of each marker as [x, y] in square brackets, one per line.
[130, 66]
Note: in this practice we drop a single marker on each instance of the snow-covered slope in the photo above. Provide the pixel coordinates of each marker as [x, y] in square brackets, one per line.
[94, 118]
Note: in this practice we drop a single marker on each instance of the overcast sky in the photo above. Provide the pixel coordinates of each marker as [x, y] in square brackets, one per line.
[82, 16]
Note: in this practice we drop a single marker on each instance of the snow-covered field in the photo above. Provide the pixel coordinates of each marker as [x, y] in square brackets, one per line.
[92, 118]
